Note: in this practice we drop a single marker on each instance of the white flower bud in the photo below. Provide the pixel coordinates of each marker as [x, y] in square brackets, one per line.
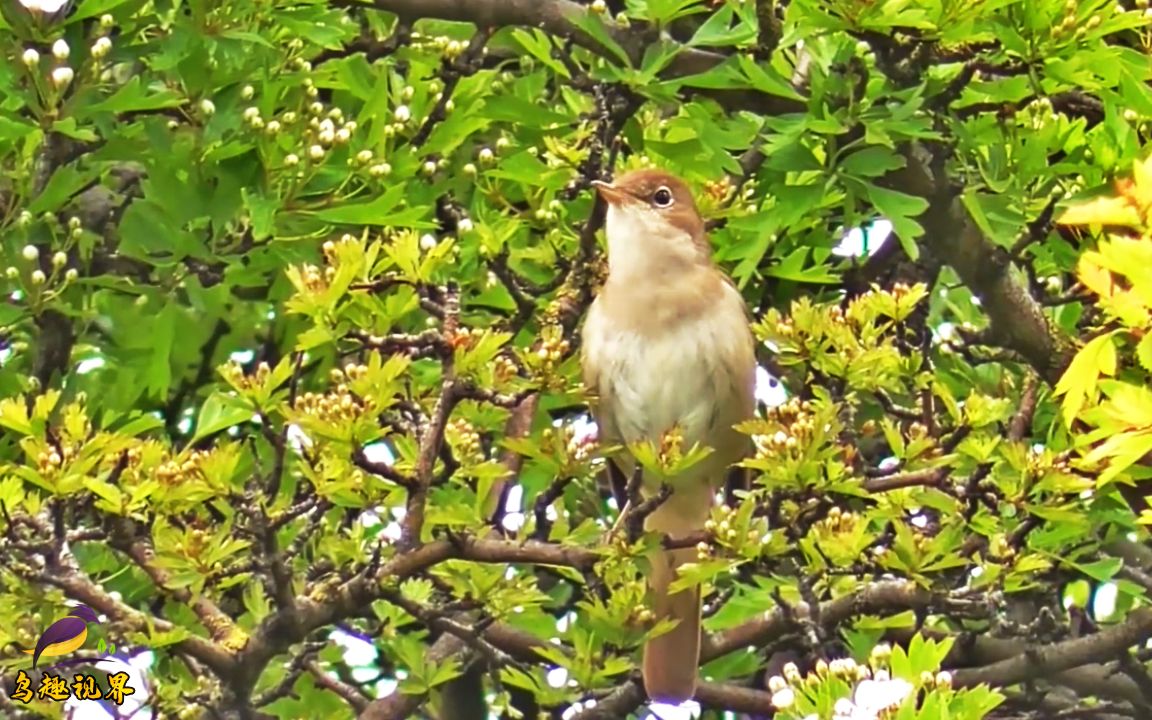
[207, 107]
[380, 170]
[107, 21]
[402, 114]
[71, 275]
[326, 137]
[316, 152]
[486, 155]
[60, 50]
[272, 127]
[343, 136]
[291, 160]
[11, 272]
[62, 77]
[59, 259]
[465, 225]
[407, 93]
[427, 242]
[31, 58]
[38, 277]
[470, 169]
[783, 699]
[30, 253]
[364, 157]
[101, 47]
[502, 143]
[251, 113]
[429, 168]
[247, 92]
[25, 219]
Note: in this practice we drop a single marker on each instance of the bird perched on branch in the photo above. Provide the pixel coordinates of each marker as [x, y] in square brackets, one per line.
[666, 345]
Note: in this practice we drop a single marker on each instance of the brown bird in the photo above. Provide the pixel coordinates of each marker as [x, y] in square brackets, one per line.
[667, 344]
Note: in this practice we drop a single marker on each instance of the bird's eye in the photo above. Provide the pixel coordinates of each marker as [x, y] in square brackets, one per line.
[662, 198]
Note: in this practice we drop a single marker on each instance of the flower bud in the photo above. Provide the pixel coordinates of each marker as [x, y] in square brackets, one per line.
[247, 92]
[31, 58]
[291, 160]
[101, 47]
[38, 277]
[30, 253]
[207, 107]
[402, 114]
[62, 77]
[60, 50]
[59, 259]
[71, 275]
[107, 21]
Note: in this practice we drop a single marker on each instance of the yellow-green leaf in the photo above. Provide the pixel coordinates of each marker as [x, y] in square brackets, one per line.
[1078, 383]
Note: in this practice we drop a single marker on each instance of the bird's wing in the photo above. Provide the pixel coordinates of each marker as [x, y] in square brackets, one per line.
[63, 636]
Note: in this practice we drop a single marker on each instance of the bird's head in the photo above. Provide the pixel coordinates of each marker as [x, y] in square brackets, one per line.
[651, 217]
[85, 613]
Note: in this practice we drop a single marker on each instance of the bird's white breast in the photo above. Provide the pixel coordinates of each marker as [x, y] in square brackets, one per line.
[681, 375]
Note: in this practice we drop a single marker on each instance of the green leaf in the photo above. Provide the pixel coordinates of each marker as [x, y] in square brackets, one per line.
[134, 96]
[765, 79]
[220, 412]
[899, 208]
[871, 162]
[1078, 384]
[592, 24]
[381, 211]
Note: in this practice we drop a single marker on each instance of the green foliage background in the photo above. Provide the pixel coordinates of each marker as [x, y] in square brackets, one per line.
[245, 241]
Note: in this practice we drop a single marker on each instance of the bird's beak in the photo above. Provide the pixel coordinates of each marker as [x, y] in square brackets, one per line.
[611, 194]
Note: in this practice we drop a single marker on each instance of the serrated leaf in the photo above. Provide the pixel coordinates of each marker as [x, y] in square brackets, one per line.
[1078, 384]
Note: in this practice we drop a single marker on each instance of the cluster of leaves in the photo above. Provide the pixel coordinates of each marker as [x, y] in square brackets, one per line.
[289, 344]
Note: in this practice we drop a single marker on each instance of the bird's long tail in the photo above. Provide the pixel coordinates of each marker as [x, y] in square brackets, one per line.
[670, 660]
